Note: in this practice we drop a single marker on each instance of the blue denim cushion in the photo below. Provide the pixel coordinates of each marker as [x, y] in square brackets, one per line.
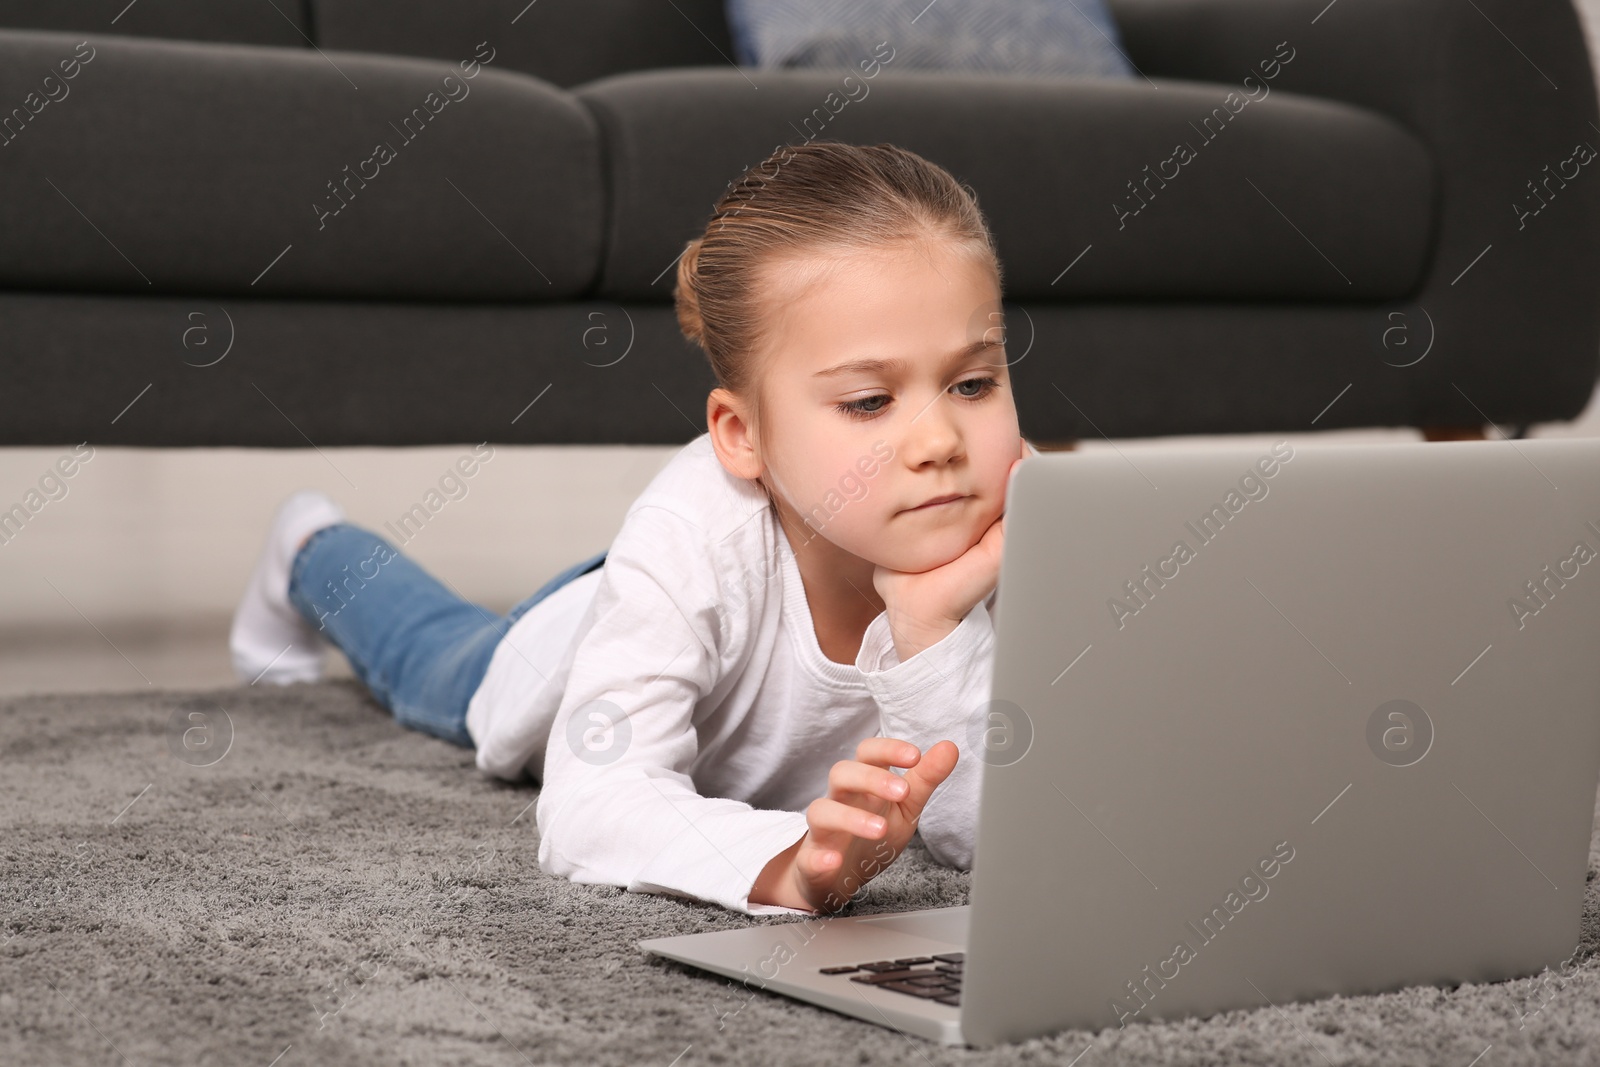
[1021, 37]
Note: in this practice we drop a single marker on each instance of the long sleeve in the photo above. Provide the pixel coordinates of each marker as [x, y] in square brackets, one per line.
[618, 805]
[941, 693]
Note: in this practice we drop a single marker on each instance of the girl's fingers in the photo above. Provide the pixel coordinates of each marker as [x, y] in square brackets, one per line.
[826, 816]
[927, 775]
[837, 822]
[853, 776]
[996, 533]
[888, 752]
[818, 863]
[865, 801]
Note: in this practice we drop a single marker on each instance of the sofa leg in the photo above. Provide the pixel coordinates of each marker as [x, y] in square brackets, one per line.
[1452, 433]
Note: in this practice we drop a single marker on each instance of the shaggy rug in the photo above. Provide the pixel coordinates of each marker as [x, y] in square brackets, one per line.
[307, 882]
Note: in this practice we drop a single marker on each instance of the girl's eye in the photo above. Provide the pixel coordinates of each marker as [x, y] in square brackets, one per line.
[867, 406]
[859, 408]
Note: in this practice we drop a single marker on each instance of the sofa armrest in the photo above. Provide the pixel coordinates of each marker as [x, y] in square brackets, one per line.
[1418, 61]
[1502, 92]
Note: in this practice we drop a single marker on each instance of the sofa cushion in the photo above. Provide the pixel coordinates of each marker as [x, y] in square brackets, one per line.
[1027, 37]
[1290, 197]
[240, 21]
[261, 171]
[564, 43]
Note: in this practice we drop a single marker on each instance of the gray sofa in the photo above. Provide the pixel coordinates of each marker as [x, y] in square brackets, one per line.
[202, 244]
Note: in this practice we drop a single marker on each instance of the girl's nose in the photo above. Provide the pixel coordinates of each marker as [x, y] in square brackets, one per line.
[934, 438]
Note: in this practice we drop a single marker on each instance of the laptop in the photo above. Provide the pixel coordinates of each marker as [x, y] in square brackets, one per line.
[1268, 724]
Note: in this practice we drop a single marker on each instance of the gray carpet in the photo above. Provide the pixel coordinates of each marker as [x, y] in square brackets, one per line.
[337, 889]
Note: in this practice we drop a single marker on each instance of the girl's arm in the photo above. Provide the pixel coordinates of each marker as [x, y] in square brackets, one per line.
[618, 805]
[941, 693]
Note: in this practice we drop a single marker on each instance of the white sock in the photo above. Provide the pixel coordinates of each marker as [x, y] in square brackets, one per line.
[270, 641]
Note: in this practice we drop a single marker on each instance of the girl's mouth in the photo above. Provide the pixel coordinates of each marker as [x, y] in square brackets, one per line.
[938, 501]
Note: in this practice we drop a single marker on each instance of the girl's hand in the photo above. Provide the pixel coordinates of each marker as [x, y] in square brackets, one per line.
[859, 828]
[925, 606]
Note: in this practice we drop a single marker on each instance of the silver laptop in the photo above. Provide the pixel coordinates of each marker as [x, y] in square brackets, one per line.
[1268, 724]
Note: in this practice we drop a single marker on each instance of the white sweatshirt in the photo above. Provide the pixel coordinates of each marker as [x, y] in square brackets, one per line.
[683, 712]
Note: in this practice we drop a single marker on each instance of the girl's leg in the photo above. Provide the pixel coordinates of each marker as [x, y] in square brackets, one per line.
[576, 570]
[420, 648]
[268, 639]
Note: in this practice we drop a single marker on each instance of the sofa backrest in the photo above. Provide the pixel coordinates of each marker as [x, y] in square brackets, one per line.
[565, 42]
[238, 21]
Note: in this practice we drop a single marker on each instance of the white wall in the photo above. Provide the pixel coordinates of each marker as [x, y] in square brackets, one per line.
[172, 534]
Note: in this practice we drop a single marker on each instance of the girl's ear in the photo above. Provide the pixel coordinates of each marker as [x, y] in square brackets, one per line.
[730, 435]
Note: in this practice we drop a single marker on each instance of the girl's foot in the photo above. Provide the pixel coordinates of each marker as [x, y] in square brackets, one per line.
[270, 641]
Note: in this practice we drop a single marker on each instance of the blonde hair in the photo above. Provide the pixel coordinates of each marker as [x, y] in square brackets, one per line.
[819, 197]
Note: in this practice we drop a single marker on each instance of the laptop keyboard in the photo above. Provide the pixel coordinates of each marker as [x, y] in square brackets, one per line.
[936, 978]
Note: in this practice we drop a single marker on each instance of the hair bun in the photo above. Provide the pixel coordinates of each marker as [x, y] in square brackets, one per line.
[685, 294]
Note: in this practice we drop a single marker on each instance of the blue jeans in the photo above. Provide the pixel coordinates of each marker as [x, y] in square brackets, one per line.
[419, 647]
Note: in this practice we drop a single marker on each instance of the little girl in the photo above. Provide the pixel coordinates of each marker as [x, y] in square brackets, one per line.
[796, 606]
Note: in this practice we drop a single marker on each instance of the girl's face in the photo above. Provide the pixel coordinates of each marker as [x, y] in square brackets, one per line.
[885, 386]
